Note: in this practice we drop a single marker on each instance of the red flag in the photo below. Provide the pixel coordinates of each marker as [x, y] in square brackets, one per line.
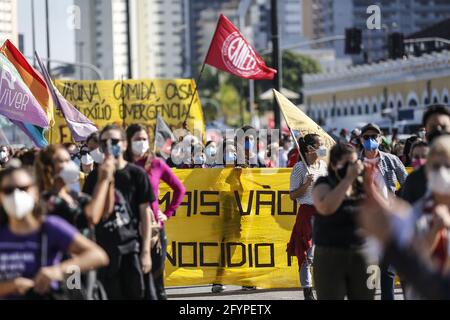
[230, 52]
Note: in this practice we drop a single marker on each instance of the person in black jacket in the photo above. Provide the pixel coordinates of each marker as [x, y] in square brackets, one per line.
[437, 122]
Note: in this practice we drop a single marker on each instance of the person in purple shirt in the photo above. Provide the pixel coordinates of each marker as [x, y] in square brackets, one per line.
[32, 245]
[138, 152]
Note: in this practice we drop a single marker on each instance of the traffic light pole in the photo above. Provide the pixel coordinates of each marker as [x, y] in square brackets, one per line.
[276, 61]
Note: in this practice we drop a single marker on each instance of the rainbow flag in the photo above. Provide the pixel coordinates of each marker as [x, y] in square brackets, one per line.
[24, 96]
[33, 80]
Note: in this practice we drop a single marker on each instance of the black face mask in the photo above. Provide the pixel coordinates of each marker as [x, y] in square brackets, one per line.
[433, 135]
[341, 173]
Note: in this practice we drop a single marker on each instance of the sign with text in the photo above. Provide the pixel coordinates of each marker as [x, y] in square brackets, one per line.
[232, 228]
[128, 102]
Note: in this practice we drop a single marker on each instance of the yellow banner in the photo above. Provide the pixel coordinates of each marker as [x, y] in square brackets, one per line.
[232, 228]
[128, 102]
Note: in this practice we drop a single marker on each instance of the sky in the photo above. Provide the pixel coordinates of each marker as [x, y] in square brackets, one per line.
[62, 39]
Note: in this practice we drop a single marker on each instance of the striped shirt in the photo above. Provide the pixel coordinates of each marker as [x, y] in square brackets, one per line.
[392, 170]
[298, 178]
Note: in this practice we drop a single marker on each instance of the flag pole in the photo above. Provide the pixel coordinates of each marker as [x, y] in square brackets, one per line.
[293, 137]
[123, 105]
[199, 78]
[154, 133]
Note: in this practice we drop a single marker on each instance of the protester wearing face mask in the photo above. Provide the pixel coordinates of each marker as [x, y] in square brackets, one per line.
[301, 185]
[425, 223]
[176, 155]
[93, 144]
[87, 162]
[386, 222]
[389, 171]
[56, 174]
[125, 229]
[247, 149]
[436, 120]
[419, 153]
[211, 153]
[340, 267]
[422, 133]
[287, 146]
[4, 156]
[74, 152]
[229, 154]
[406, 153]
[37, 241]
[199, 159]
[157, 171]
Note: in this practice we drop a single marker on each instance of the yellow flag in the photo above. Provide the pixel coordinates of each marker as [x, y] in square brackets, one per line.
[298, 120]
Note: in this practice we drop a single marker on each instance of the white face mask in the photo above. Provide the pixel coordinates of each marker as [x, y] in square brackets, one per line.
[288, 146]
[139, 147]
[3, 155]
[211, 152]
[70, 173]
[199, 160]
[18, 204]
[439, 181]
[87, 160]
[322, 152]
[230, 157]
[98, 156]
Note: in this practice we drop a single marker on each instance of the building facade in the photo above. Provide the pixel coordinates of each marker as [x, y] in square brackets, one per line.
[407, 16]
[102, 39]
[158, 41]
[394, 93]
[8, 21]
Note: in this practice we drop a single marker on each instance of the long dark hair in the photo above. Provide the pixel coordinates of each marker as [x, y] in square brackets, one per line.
[131, 131]
[337, 153]
[304, 142]
[44, 167]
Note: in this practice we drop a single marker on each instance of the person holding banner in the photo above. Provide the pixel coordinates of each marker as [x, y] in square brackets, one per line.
[340, 267]
[157, 170]
[303, 177]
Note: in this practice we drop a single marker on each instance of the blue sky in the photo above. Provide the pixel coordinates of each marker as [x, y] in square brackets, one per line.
[62, 38]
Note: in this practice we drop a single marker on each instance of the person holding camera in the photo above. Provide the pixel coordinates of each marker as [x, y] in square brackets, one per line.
[124, 229]
[340, 267]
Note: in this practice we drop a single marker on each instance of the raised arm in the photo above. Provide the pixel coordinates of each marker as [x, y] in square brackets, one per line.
[102, 201]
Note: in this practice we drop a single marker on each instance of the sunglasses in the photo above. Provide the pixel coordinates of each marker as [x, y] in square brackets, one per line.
[374, 137]
[10, 190]
[113, 141]
[104, 144]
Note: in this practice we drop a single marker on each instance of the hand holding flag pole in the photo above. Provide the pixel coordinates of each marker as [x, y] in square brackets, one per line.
[297, 120]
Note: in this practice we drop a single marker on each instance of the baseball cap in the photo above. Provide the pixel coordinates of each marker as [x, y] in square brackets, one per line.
[371, 126]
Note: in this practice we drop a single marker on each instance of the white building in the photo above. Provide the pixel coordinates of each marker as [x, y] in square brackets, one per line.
[332, 17]
[158, 35]
[394, 93]
[102, 39]
[156, 32]
[8, 21]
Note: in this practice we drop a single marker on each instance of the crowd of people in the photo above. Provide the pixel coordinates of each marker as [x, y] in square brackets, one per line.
[365, 210]
[95, 205]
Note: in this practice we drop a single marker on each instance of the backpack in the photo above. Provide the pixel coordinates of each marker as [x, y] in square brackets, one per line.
[120, 228]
